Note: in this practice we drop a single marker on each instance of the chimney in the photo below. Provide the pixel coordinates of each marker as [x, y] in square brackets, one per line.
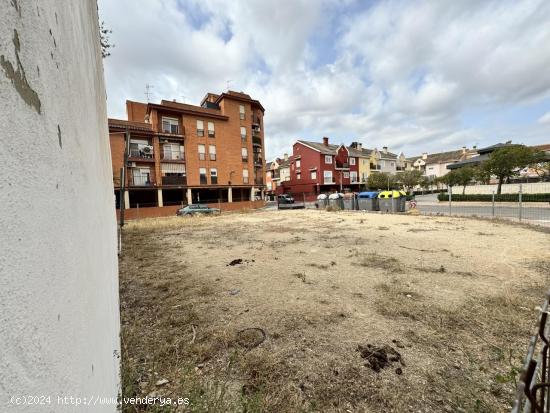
[325, 141]
[385, 149]
[359, 146]
[424, 155]
[285, 156]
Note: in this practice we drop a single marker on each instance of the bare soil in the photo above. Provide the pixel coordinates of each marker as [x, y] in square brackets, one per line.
[315, 311]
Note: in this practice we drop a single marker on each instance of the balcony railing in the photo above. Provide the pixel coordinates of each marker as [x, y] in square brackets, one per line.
[174, 180]
[172, 156]
[141, 153]
[256, 141]
[172, 130]
[256, 131]
[140, 180]
[258, 160]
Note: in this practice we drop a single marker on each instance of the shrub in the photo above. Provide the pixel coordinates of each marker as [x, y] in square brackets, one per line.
[498, 198]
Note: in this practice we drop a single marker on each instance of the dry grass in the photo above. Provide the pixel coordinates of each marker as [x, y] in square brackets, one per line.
[458, 308]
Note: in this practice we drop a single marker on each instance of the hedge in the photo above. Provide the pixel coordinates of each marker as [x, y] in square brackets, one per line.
[498, 198]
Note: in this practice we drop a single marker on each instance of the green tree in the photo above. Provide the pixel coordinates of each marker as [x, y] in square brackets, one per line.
[381, 180]
[481, 174]
[410, 179]
[464, 176]
[450, 179]
[506, 162]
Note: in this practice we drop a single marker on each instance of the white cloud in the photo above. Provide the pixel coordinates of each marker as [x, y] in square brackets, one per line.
[397, 73]
[545, 119]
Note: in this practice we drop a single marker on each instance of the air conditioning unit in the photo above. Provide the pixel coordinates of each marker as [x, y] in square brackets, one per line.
[131, 164]
[147, 149]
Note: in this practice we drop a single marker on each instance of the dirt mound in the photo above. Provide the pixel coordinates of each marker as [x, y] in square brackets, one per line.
[380, 357]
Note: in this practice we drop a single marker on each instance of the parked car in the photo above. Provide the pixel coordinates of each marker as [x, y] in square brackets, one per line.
[285, 199]
[196, 209]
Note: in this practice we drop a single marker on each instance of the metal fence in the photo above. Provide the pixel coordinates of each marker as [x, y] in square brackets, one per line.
[521, 206]
[533, 392]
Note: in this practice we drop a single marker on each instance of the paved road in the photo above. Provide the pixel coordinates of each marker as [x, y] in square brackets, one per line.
[539, 213]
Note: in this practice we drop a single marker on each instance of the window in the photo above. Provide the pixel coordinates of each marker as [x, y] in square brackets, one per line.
[213, 176]
[328, 159]
[202, 152]
[245, 176]
[241, 112]
[328, 177]
[170, 125]
[244, 154]
[243, 132]
[352, 161]
[297, 164]
[212, 152]
[211, 132]
[353, 176]
[202, 174]
[172, 151]
[313, 175]
[298, 176]
[141, 176]
[346, 175]
[200, 128]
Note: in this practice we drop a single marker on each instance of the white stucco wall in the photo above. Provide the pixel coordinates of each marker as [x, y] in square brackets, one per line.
[59, 319]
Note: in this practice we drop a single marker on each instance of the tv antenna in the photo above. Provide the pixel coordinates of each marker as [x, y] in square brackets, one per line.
[148, 92]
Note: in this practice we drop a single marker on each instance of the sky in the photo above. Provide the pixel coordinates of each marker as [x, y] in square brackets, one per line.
[415, 76]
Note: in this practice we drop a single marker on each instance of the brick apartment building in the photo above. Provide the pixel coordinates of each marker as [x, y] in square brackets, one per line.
[180, 153]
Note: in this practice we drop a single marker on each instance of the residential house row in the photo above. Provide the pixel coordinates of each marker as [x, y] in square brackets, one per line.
[316, 167]
[174, 153]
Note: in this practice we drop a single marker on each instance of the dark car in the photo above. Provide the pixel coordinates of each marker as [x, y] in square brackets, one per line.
[285, 199]
[196, 209]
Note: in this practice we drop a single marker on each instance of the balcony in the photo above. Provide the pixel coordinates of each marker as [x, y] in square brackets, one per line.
[172, 130]
[256, 141]
[172, 156]
[256, 131]
[258, 161]
[174, 180]
[255, 120]
[141, 153]
[140, 180]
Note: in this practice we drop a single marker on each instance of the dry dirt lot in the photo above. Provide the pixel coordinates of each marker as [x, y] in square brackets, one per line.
[361, 312]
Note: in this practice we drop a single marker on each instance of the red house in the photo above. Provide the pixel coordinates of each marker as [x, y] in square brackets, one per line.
[321, 167]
